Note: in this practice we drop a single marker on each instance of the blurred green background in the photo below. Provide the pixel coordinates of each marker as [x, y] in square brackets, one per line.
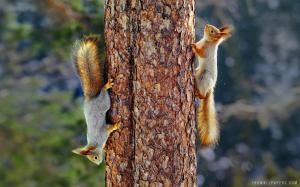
[257, 94]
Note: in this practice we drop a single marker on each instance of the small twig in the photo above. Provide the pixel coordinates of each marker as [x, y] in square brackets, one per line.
[280, 109]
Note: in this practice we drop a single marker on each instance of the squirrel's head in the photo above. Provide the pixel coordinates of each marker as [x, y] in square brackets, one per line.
[92, 153]
[213, 34]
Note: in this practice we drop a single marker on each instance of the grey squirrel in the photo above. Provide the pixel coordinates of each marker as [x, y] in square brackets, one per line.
[206, 51]
[96, 98]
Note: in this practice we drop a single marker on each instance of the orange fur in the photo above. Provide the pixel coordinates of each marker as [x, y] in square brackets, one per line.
[207, 121]
[88, 66]
[198, 94]
[198, 51]
[215, 35]
[87, 151]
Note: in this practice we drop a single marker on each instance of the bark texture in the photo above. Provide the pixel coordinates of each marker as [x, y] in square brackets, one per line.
[118, 43]
[149, 56]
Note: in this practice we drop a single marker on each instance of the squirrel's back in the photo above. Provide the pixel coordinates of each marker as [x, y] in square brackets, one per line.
[86, 60]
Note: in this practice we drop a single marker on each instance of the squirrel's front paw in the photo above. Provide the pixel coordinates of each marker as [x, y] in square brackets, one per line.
[109, 84]
[113, 127]
[193, 45]
[117, 125]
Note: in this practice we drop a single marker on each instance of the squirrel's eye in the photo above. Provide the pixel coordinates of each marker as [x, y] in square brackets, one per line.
[211, 31]
[95, 157]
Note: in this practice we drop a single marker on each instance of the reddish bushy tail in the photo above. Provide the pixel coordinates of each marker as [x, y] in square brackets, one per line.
[207, 121]
[86, 60]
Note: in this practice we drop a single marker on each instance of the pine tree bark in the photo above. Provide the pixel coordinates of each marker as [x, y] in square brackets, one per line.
[149, 56]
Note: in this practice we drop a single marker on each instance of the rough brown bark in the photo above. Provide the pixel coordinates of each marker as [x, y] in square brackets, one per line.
[148, 54]
[118, 43]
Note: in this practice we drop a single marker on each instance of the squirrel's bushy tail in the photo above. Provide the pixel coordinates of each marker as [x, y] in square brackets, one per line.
[86, 60]
[207, 121]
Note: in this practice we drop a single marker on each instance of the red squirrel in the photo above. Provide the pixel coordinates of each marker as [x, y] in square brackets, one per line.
[206, 77]
[96, 99]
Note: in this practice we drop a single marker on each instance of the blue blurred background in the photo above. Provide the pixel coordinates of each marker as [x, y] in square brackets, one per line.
[257, 94]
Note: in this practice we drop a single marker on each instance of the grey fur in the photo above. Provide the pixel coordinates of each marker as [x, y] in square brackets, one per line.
[95, 111]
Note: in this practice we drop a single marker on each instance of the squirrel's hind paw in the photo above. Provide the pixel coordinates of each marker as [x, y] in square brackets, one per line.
[109, 84]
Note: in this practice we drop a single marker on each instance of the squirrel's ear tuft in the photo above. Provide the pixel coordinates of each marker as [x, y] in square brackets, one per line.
[78, 151]
[81, 151]
[84, 150]
[226, 29]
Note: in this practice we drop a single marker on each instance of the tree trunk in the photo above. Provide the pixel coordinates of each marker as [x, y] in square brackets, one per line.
[149, 56]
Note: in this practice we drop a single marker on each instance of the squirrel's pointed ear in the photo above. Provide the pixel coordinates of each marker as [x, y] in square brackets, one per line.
[78, 151]
[81, 151]
[226, 29]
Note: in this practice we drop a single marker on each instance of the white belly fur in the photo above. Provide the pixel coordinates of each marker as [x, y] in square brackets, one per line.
[207, 72]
